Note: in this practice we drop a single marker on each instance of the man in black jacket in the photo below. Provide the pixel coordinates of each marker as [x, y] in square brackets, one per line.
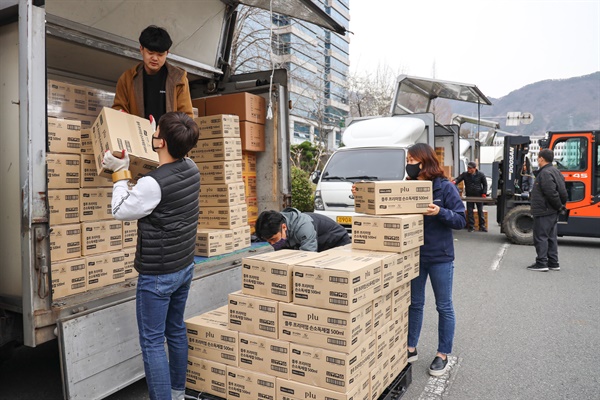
[475, 186]
[548, 198]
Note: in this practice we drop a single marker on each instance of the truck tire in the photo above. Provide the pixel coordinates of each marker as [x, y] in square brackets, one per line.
[518, 225]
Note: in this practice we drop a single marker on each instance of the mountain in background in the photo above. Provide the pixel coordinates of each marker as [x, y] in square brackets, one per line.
[556, 104]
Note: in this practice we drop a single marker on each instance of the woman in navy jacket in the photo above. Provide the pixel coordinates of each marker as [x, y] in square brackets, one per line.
[447, 212]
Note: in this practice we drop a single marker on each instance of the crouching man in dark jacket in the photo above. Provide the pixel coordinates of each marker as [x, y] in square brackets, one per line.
[548, 198]
[292, 229]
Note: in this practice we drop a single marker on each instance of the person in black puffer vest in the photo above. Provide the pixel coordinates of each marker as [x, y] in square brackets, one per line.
[165, 203]
[475, 186]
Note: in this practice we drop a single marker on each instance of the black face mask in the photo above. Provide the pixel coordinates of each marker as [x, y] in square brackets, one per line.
[280, 244]
[413, 170]
[154, 148]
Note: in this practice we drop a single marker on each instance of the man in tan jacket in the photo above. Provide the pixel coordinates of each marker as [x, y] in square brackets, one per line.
[153, 87]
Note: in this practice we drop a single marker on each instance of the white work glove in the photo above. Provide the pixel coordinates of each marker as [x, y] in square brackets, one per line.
[115, 164]
[153, 123]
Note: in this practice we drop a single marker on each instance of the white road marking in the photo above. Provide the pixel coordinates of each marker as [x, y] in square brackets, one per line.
[436, 386]
[499, 256]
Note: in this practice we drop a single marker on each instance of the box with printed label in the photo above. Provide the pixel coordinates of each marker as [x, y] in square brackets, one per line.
[89, 176]
[382, 311]
[266, 355]
[244, 384]
[292, 390]
[398, 359]
[85, 120]
[130, 234]
[393, 197]
[223, 217]
[221, 149]
[65, 242]
[95, 204]
[68, 277]
[248, 161]
[376, 387]
[218, 126]
[105, 269]
[66, 97]
[213, 242]
[210, 338]
[252, 203]
[115, 131]
[64, 135]
[63, 170]
[385, 338]
[206, 377]
[128, 262]
[254, 315]
[222, 194]
[248, 107]
[249, 179]
[338, 281]
[413, 268]
[101, 236]
[330, 369]
[220, 172]
[400, 299]
[97, 99]
[269, 275]
[253, 136]
[395, 233]
[63, 205]
[87, 145]
[241, 237]
[333, 330]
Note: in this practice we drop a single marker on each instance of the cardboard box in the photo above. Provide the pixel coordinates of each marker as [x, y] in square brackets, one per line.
[129, 234]
[400, 299]
[333, 370]
[68, 277]
[63, 170]
[89, 176]
[253, 136]
[223, 217]
[254, 315]
[250, 183]
[269, 275]
[248, 107]
[87, 145]
[95, 204]
[65, 97]
[396, 233]
[218, 126]
[206, 377]
[244, 384]
[98, 99]
[333, 330]
[129, 270]
[101, 237]
[64, 136]
[252, 203]
[382, 311]
[105, 269]
[85, 120]
[213, 242]
[248, 161]
[476, 217]
[209, 337]
[220, 172]
[220, 149]
[222, 195]
[291, 390]
[266, 355]
[393, 197]
[377, 375]
[63, 205]
[200, 104]
[337, 281]
[65, 242]
[116, 131]
[384, 337]
[414, 268]
[241, 237]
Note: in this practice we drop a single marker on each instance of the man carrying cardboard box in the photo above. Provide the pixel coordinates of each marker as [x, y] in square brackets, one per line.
[165, 203]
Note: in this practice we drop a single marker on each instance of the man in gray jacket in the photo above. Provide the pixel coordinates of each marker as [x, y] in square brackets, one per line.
[292, 229]
[548, 199]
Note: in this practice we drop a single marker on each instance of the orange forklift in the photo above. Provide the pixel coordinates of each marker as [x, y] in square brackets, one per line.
[577, 156]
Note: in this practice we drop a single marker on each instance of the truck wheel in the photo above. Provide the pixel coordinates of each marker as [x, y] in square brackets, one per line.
[518, 225]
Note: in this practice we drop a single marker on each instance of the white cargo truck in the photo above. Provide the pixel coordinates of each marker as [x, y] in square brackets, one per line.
[91, 43]
[375, 148]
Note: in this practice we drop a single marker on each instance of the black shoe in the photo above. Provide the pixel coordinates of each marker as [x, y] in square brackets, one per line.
[554, 268]
[482, 230]
[439, 366]
[470, 229]
[535, 267]
[412, 356]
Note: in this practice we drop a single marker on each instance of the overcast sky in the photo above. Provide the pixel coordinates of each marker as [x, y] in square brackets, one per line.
[498, 45]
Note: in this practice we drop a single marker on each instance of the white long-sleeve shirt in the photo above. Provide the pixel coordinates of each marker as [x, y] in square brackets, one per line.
[138, 202]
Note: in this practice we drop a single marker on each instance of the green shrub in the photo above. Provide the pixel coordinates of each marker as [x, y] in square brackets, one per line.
[302, 190]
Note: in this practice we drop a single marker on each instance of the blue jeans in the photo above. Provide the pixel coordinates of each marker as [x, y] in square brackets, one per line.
[160, 304]
[441, 275]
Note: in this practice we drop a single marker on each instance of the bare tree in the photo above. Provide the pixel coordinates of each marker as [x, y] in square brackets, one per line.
[371, 94]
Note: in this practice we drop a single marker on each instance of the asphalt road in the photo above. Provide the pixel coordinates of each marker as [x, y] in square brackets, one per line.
[519, 334]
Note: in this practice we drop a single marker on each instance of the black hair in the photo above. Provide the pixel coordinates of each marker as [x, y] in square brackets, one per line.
[547, 155]
[268, 224]
[179, 131]
[154, 38]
